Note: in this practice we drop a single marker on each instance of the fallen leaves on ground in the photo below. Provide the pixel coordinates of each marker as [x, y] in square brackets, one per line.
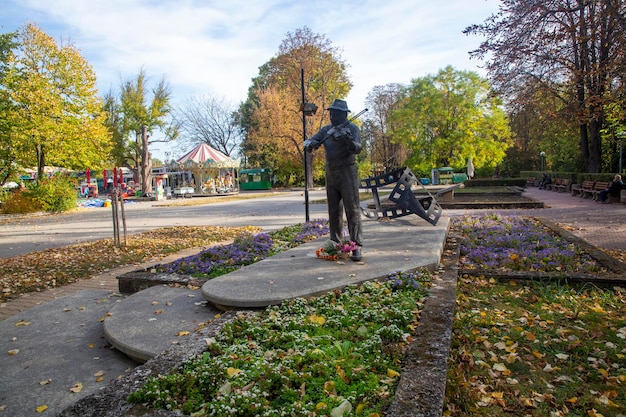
[56, 267]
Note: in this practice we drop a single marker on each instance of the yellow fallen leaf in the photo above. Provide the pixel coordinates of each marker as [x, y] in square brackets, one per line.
[341, 373]
[499, 367]
[392, 374]
[232, 372]
[99, 373]
[484, 401]
[90, 346]
[320, 406]
[572, 400]
[76, 388]
[317, 319]
[597, 308]
[329, 387]
[22, 323]
[183, 334]
[41, 408]
[13, 352]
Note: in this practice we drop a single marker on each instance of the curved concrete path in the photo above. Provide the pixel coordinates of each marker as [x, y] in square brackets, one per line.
[403, 244]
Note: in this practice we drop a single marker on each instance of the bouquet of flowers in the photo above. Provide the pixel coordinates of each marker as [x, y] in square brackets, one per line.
[333, 251]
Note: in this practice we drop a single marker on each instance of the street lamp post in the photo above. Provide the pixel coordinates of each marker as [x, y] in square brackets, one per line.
[542, 156]
[620, 135]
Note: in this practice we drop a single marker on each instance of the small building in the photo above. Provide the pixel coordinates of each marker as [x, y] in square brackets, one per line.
[446, 175]
[255, 179]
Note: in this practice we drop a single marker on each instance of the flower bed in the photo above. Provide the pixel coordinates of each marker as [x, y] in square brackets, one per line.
[304, 357]
[513, 243]
[246, 249]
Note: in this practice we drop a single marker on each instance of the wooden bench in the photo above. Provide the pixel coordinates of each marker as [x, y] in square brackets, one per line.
[580, 189]
[563, 185]
[554, 185]
[531, 182]
[587, 189]
[599, 186]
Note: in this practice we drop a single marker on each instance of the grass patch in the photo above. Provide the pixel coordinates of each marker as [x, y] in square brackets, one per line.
[537, 349]
[38, 271]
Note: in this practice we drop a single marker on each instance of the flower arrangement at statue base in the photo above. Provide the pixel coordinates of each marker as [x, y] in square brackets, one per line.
[333, 251]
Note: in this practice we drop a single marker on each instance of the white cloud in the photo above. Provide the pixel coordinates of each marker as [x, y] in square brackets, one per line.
[217, 47]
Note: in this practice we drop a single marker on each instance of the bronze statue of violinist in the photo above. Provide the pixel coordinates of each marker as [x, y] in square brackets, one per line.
[342, 142]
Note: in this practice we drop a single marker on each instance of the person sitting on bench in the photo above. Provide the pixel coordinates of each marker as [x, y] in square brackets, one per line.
[545, 180]
[614, 189]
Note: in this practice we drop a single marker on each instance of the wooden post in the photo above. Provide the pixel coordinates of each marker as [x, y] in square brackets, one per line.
[123, 219]
[116, 232]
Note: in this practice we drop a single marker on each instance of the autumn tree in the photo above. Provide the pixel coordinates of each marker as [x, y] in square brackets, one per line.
[539, 125]
[54, 115]
[445, 119]
[573, 49]
[211, 120]
[383, 151]
[271, 115]
[134, 116]
[8, 154]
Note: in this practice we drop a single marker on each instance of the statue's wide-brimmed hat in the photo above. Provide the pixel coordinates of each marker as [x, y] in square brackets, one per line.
[339, 105]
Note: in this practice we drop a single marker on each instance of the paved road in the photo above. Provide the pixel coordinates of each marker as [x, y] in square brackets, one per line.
[603, 225]
[36, 233]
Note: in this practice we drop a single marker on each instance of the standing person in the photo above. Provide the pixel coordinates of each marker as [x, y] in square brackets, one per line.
[342, 142]
[614, 189]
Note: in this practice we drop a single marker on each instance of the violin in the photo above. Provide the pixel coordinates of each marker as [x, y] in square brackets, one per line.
[337, 132]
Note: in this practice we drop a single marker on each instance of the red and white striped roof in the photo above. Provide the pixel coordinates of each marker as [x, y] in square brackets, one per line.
[203, 153]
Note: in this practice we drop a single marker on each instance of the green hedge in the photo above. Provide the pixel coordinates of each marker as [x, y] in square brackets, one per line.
[575, 177]
[499, 182]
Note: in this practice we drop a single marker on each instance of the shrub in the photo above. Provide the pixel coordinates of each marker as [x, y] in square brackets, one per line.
[17, 202]
[55, 194]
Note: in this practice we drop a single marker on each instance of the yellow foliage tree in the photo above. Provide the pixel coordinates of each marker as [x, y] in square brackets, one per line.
[272, 115]
[55, 116]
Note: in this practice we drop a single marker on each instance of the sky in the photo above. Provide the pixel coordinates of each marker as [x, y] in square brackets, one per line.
[208, 47]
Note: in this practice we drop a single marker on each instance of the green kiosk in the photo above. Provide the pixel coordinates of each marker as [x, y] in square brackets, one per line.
[255, 179]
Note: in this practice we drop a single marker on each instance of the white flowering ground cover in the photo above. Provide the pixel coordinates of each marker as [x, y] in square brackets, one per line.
[339, 354]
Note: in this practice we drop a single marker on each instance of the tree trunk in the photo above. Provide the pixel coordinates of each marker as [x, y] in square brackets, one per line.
[41, 161]
[595, 147]
[146, 163]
